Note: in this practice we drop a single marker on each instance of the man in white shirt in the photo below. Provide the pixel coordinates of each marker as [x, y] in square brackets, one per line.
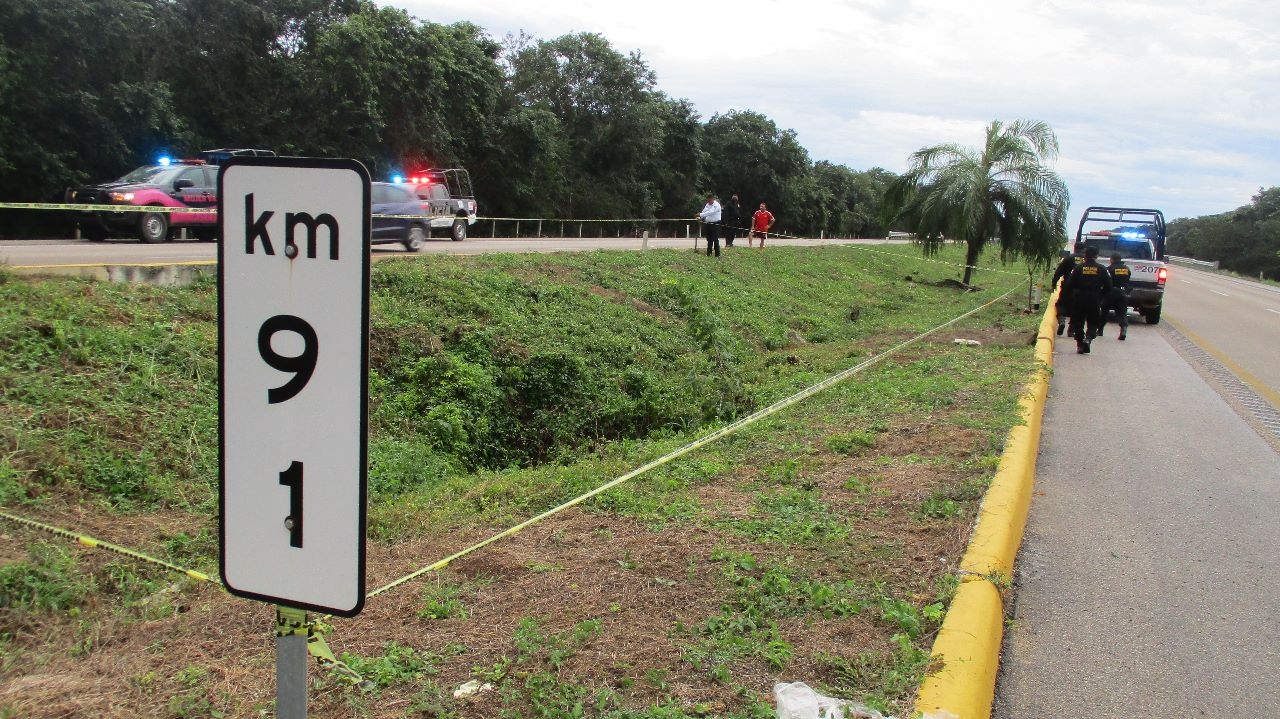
[710, 217]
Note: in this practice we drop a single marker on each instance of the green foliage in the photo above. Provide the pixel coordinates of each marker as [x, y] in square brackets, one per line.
[442, 601]
[398, 664]
[1004, 191]
[49, 581]
[882, 679]
[790, 516]
[1245, 240]
[940, 508]
[852, 442]
[530, 684]
[567, 127]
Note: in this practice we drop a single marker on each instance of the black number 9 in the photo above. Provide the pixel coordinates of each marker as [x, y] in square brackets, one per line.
[302, 365]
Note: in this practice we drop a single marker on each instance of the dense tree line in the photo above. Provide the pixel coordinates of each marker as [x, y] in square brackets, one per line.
[1245, 240]
[564, 128]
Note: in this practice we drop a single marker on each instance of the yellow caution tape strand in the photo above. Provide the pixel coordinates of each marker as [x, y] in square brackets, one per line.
[292, 622]
[99, 544]
[87, 207]
[288, 620]
[700, 442]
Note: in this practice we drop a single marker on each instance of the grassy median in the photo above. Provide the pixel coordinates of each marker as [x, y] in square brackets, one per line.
[816, 545]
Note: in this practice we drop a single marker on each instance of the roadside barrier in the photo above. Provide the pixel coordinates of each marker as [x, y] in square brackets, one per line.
[1194, 263]
[626, 227]
[968, 644]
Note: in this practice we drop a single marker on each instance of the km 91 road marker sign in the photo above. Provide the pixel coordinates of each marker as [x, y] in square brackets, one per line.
[293, 327]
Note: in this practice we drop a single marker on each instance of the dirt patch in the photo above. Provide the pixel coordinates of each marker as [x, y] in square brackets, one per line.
[616, 607]
[990, 336]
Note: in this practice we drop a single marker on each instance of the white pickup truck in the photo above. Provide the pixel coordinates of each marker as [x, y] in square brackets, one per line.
[1137, 235]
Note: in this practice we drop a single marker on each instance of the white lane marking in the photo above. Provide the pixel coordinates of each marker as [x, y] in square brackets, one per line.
[1224, 294]
[1271, 310]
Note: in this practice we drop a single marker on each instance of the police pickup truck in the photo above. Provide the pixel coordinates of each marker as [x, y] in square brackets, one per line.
[1138, 236]
[446, 195]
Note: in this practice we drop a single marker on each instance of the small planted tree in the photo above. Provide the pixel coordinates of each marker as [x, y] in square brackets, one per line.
[1004, 192]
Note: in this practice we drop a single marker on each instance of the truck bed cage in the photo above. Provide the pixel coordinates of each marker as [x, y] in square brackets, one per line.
[1117, 216]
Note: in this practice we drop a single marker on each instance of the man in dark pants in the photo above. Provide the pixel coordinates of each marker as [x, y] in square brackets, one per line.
[1088, 284]
[1063, 306]
[1118, 299]
[710, 217]
[730, 219]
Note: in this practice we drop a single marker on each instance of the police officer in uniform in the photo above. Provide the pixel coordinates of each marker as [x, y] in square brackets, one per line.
[1063, 306]
[1118, 299]
[1088, 283]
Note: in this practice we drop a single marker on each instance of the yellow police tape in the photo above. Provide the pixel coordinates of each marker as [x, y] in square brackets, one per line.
[295, 621]
[968, 643]
[99, 544]
[86, 207]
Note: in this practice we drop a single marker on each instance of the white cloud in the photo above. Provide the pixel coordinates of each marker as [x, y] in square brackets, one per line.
[1154, 102]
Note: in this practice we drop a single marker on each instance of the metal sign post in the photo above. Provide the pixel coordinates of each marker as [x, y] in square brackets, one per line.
[293, 328]
[291, 663]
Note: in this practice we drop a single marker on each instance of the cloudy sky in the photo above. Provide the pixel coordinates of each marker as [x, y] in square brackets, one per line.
[1173, 105]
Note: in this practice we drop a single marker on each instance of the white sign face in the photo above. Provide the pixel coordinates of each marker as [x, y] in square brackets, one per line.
[293, 326]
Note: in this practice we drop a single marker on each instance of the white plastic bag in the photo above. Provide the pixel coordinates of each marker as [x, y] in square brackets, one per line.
[798, 700]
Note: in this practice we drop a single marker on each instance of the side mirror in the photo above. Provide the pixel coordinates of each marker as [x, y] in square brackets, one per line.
[180, 185]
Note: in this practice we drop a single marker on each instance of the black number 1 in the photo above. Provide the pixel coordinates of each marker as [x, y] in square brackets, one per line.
[301, 366]
[292, 478]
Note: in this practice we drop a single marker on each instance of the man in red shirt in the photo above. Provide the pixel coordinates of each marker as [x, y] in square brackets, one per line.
[761, 221]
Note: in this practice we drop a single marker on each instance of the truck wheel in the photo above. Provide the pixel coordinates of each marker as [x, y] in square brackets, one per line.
[459, 232]
[413, 240]
[153, 227]
[1153, 316]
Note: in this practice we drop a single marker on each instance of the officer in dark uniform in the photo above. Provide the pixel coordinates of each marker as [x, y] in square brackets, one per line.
[1062, 307]
[1118, 299]
[1088, 283]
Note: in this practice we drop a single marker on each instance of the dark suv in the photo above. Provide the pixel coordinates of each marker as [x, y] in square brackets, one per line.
[182, 184]
[397, 216]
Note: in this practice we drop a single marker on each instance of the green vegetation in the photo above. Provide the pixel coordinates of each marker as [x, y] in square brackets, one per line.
[1003, 193]
[503, 386]
[1245, 240]
[567, 127]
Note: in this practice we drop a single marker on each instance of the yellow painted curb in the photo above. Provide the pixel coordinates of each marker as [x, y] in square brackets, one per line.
[968, 644]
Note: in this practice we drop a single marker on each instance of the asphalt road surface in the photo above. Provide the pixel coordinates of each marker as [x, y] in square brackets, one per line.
[43, 253]
[1149, 581]
[1235, 320]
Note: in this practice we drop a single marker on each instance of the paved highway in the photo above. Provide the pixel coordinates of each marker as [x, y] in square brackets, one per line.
[20, 253]
[1236, 321]
[1148, 582]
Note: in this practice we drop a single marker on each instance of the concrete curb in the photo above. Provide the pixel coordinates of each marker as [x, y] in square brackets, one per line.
[968, 644]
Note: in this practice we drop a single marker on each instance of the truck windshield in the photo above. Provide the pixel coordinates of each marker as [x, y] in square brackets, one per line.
[147, 174]
[1128, 249]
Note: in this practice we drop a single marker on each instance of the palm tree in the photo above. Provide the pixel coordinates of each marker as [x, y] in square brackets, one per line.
[1006, 192]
